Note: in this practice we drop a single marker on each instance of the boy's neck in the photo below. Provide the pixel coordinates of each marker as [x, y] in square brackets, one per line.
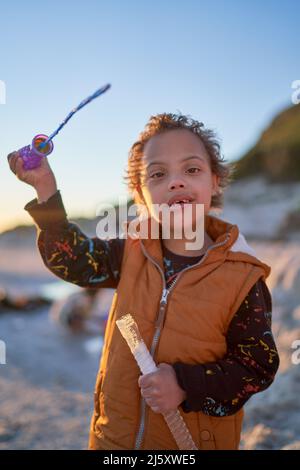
[178, 246]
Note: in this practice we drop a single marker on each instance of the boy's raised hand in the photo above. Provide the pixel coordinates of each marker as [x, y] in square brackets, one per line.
[161, 389]
[41, 178]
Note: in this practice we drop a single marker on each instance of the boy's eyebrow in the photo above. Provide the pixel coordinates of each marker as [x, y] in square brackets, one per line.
[190, 157]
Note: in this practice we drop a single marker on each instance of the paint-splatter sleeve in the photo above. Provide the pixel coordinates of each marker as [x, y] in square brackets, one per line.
[70, 254]
[221, 388]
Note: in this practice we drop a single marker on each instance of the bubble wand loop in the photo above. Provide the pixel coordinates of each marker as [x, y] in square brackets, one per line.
[174, 420]
[42, 145]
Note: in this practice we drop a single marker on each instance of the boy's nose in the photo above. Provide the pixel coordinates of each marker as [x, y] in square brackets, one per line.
[176, 184]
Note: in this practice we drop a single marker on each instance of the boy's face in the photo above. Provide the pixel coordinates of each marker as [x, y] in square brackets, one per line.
[176, 164]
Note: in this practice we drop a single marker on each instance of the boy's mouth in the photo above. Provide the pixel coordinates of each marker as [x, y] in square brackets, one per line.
[181, 200]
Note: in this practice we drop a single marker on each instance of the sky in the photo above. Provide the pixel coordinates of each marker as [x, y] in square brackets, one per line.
[227, 63]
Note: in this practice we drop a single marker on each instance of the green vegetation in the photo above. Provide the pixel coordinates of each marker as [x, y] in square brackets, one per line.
[276, 155]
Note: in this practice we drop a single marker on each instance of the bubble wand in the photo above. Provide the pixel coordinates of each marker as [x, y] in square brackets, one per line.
[130, 332]
[42, 145]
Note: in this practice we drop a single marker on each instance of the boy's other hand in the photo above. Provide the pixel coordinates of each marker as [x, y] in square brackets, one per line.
[161, 389]
[41, 178]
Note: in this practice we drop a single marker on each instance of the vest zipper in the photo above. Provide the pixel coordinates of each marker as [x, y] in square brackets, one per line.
[160, 321]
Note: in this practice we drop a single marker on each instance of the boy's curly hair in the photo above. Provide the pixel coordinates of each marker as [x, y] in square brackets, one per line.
[167, 121]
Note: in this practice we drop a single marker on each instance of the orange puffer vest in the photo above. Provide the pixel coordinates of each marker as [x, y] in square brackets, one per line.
[186, 323]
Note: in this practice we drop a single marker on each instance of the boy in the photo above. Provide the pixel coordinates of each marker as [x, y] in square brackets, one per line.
[204, 314]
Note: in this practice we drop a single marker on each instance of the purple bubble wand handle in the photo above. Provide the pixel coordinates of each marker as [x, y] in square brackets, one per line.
[32, 155]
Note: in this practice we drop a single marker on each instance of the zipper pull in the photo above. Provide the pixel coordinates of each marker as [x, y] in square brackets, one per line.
[164, 296]
[162, 308]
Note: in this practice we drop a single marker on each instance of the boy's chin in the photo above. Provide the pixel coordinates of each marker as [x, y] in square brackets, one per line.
[181, 229]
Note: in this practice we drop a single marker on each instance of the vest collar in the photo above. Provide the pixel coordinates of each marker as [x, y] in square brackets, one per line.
[228, 243]
[222, 233]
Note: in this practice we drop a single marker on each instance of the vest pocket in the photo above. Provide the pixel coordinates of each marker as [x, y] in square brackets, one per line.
[206, 440]
[225, 432]
[218, 433]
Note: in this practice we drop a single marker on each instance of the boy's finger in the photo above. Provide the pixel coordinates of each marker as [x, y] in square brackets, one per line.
[149, 392]
[147, 380]
[140, 381]
[12, 161]
[15, 164]
[144, 380]
[11, 155]
[12, 164]
[156, 409]
[19, 165]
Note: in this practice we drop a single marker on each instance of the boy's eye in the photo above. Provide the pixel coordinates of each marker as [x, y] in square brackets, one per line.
[157, 174]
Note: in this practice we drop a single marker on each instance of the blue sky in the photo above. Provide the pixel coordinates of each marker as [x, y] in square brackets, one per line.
[227, 63]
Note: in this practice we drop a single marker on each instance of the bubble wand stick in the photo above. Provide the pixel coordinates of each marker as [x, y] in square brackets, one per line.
[42, 145]
[130, 332]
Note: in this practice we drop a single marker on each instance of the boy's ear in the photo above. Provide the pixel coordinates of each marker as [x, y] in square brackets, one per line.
[216, 182]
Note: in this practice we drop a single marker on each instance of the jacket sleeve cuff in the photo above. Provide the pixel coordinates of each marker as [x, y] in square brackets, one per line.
[190, 379]
[49, 214]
